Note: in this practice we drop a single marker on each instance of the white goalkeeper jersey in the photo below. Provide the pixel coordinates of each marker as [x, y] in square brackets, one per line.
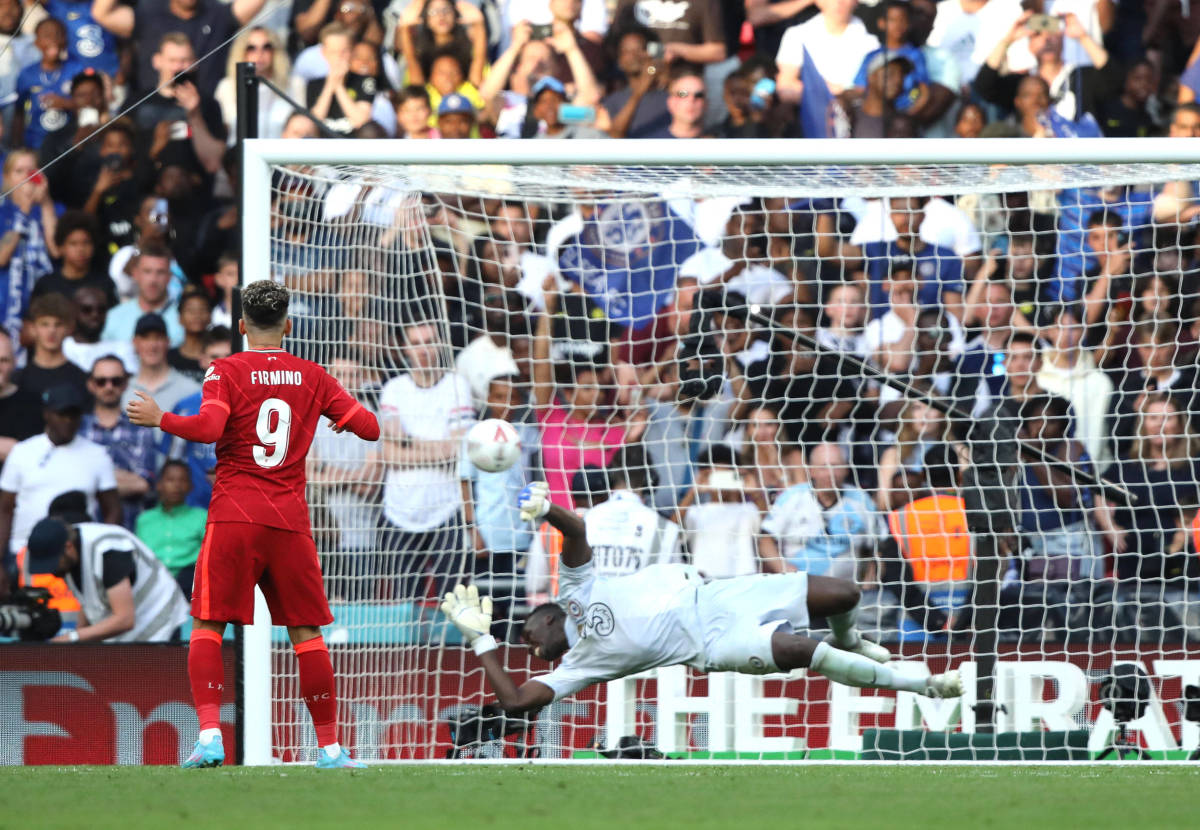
[624, 625]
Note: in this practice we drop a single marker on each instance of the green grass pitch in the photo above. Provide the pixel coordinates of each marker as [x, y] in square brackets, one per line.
[616, 797]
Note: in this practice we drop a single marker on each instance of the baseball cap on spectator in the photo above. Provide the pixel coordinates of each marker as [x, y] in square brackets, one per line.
[63, 398]
[547, 82]
[882, 59]
[45, 546]
[455, 103]
[150, 324]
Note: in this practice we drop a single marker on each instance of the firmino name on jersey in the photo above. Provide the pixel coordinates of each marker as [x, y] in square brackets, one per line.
[276, 377]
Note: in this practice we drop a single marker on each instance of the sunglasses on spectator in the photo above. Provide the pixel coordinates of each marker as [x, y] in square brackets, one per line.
[687, 93]
[259, 47]
[112, 380]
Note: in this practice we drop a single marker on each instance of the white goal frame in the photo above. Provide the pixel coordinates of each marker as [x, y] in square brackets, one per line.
[260, 154]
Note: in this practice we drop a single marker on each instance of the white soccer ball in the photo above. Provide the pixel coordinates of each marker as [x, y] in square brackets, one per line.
[493, 445]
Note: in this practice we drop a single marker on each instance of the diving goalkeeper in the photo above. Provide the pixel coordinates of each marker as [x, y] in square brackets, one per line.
[665, 615]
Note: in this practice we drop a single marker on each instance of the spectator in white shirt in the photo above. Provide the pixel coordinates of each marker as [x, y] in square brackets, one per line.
[624, 533]
[592, 14]
[425, 413]
[47, 465]
[957, 28]
[836, 41]
[719, 518]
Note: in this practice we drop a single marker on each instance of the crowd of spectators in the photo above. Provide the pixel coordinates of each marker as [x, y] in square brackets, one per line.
[1070, 312]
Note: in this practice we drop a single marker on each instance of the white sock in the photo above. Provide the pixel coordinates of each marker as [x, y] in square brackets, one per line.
[854, 670]
[333, 750]
[844, 633]
[207, 735]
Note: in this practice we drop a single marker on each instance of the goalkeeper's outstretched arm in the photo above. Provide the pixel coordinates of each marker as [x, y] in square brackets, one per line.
[471, 614]
[530, 696]
[534, 501]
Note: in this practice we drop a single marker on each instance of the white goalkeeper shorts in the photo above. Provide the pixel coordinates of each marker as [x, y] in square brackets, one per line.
[738, 617]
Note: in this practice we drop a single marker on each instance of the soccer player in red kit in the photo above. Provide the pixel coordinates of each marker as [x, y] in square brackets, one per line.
[261, 407]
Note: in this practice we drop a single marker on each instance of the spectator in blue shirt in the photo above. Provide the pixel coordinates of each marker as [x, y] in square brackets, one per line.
[938, 271]
[88, 44]
[819, 526]
[131, 449]
[44, 88]
[200, 458]
[1127, 211]
[28, 220]
[501, 539]
[894, 25]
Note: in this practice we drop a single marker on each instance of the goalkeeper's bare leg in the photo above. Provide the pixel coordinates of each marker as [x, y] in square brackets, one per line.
[837, 601]
[793, 651]
[845, 657]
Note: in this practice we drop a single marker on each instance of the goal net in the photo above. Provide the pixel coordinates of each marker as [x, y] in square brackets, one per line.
[966, 386]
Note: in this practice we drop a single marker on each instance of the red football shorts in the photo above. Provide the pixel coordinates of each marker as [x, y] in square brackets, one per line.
[236, 556]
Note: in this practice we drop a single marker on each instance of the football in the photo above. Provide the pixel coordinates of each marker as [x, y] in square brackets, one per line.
[493, 445]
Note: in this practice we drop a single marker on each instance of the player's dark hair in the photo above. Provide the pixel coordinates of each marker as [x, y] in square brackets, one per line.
[548, 609]
[264, 304]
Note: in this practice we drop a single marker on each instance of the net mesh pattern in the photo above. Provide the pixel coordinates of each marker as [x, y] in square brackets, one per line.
[902, 376]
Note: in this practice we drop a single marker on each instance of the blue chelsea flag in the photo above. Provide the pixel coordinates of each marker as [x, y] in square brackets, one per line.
[627, 258]
[816, 102]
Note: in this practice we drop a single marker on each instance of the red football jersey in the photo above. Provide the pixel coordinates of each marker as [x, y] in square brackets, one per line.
[275, 401]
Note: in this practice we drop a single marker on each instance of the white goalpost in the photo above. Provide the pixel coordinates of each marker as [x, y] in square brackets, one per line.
[900, 362]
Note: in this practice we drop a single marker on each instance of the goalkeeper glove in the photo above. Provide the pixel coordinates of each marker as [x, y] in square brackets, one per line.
[472, 615]
[534, 501]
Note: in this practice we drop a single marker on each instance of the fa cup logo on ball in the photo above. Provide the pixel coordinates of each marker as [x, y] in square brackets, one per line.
[493, 445]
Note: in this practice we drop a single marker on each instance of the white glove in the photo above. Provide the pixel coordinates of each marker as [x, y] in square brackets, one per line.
[472, 615]
[534, 501]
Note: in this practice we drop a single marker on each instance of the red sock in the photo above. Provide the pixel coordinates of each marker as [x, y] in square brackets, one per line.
[317, 688]
[206, 670]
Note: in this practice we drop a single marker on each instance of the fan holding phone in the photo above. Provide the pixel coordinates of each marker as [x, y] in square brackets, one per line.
[1071, 99]
[27, 223]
